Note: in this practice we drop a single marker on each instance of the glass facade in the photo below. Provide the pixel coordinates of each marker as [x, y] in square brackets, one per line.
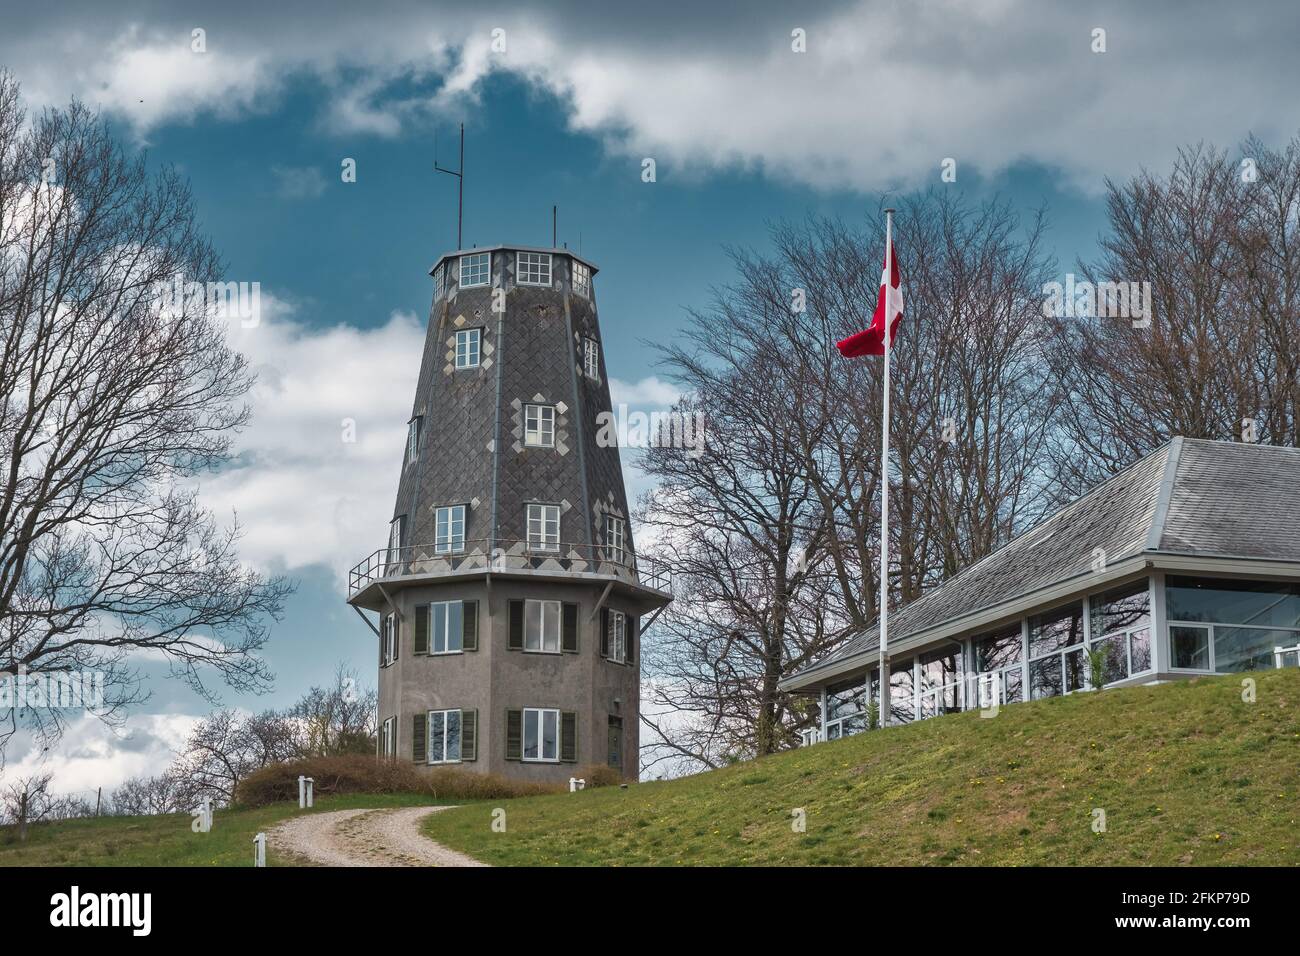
[1229, 626]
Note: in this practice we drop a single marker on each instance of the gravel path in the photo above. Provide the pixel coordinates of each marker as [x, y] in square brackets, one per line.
[365, 838]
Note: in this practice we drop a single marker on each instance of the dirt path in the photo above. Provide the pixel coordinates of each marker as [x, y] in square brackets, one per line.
[365, 838]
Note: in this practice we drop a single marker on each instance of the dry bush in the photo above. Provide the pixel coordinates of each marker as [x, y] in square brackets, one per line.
[357, 773]
[600, 775]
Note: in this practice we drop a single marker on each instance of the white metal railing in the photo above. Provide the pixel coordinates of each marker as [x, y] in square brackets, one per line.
[507, 555]
[1280, 656]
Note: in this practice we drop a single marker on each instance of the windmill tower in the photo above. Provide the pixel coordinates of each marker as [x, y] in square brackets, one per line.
[510, 597]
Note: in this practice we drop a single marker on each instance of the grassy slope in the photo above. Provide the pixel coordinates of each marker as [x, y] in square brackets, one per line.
[168, 840]
[1187, 773]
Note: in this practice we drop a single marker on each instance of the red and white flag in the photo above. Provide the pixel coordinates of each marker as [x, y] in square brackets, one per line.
[889, 309]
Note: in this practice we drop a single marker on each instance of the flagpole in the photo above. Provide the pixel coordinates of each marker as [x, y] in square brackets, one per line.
[884, 485]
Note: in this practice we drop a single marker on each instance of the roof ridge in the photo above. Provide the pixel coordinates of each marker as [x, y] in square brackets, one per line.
[1167, 481]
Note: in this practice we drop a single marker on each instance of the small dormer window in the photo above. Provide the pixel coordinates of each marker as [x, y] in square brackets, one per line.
[439, 282]
[581, 279]
[534, 268]
[591, 359]
[475, 269]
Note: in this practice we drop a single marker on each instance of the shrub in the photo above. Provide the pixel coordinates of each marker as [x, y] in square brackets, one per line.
[357, 773]
[599, 775]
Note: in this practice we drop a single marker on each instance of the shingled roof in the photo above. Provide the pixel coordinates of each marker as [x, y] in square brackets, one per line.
[1189, 497]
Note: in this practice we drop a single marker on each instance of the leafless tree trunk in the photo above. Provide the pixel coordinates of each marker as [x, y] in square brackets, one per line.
[113, 401]
[773, 533]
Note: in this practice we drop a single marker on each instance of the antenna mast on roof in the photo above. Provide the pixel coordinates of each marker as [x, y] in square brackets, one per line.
[459, 173]
[555, 213]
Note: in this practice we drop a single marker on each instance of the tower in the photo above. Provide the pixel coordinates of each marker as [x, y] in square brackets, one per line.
[510, 597]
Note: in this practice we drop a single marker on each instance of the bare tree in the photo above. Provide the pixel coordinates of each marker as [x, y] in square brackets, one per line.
[30, 798]
[113, 401]
[338, 719]
[146, 796]
[227, 745]
[773, 533]
[1219, 243]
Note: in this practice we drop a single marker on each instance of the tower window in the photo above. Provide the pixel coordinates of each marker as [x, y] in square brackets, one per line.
[539, 426]
[542, 626]
[412, 439]
[468, 347]
[541, 734]
[449, 530]
[444, 736]
[388, 737]
[439, 282]
[581, 279]
[388, 636]
[396, 529]
[614, 538]
[534, 268]
[591, 358]
[617, 636]
[543, 527]
[475, 269]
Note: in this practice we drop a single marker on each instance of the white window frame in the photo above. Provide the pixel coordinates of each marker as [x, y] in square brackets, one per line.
[581, 279]
[460, 739]
[442, 609]
[413, 438]
[396, 534]
[390, 633]
[617, 637]
[539, 517]
[1212, 627]
[440, 281]
[538, 638]
[469, 348]
[453, 518]
[541, 715]
[539, 426]
[533, 268]
[615, 539]
[388, 737]
[475, 270]
[591, 359]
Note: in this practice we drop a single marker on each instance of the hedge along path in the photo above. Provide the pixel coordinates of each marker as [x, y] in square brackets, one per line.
[388, 837]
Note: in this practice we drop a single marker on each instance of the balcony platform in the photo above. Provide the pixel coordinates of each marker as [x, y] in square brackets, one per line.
[389, 570]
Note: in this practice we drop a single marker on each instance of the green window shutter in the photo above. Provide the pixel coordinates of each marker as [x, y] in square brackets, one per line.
[419, 739]
[469, 735]
[515, 641]
[604, 632]
[569, 642]
[630, 637]
[397, 636]
[514, 735]
[568, 736]
[422, 629]
[469, 633]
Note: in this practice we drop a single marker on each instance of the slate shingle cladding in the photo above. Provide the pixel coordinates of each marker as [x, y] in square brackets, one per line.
[1190, 496]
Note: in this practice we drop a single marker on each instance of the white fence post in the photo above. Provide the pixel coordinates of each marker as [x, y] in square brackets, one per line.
[311, 792]
[259, 851]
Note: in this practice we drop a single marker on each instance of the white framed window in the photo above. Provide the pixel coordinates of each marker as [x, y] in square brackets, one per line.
[396, 530]
[446, 627]
[591, 359]
[413, 439]
[475, 269]
[388, 635]
[542, 626]
[468, 347]
[541, 734]
[539, 426]
[440, 282]
[534, 268]
[614, 538]
[444, 736]
[543, 527]
[617, 636]
[581, 279]
[388, 737]
[449, 529]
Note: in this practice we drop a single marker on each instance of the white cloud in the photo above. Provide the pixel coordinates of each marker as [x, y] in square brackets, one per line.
[298, 182]
[92, 754]
[303, 494]
[648, 391]
[883, 94]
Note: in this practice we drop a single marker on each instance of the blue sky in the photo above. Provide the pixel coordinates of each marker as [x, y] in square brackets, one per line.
[744, 130]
